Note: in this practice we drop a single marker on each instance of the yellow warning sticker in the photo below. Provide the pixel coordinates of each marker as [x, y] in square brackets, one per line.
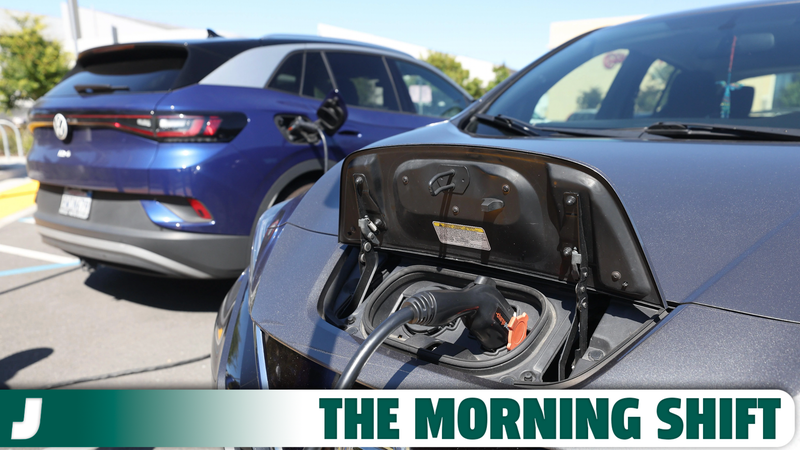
[461, 235]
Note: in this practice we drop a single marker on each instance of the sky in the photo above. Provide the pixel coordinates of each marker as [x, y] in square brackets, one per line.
[514, 32]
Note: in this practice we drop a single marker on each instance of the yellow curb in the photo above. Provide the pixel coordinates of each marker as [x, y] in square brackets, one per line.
[18, 198]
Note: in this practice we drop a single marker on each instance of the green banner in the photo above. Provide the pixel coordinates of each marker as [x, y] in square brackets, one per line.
[194, 418]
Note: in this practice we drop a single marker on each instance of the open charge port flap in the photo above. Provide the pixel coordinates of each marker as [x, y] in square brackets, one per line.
[552, 235]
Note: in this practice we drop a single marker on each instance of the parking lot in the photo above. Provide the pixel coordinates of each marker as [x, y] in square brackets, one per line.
[65, 326]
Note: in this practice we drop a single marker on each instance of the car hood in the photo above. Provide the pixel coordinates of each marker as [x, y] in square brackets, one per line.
[719, 222]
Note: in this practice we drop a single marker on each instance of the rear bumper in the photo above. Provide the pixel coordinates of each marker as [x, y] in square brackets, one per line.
[119, 233]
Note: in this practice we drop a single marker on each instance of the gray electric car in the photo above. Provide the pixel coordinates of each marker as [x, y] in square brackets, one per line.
[649, 241]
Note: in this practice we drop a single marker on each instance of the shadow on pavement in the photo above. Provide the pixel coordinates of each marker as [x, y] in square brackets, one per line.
[39, 280]
[10, 365]
[163, 293]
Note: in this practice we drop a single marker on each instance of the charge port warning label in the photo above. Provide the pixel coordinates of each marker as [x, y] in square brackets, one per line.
[461, 235]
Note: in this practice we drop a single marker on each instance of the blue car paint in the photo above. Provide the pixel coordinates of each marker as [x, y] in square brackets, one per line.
[231, 179]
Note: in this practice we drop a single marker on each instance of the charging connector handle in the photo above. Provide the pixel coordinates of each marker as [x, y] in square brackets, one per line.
[484, 310]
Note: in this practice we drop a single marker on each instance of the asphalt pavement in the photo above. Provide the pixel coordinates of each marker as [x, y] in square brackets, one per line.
[60, 324]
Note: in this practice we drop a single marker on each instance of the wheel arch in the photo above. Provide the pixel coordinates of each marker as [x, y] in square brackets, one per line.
[306, 171]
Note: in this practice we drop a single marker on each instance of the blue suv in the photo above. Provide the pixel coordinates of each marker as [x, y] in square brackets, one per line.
[159, 157]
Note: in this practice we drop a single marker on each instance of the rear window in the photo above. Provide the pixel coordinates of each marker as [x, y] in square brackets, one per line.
[124, 71]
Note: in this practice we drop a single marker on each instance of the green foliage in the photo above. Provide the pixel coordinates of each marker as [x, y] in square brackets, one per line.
[474, 87]
[590, 99]
[453, 69]
[30, 65]
[501, 72]
[646, 101]
[656, 80]
[448, 64]
[789, 95]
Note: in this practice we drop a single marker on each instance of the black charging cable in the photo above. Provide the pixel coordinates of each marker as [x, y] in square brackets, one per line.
[371, 343]
[300, 124]
[484, 310]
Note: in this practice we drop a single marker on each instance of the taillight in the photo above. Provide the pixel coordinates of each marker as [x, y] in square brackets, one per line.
[172, 127]
[183, 126]
[200, 209]
[221, 127]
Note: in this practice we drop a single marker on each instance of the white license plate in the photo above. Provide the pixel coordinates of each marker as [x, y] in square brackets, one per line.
[76, 203]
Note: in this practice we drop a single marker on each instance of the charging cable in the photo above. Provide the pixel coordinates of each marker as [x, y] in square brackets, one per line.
[484, 310]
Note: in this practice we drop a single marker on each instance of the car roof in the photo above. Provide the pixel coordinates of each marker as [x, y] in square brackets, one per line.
[272, 39]
[291, 38]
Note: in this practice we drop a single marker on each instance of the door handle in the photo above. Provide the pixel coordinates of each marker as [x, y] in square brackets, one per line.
[350, 133]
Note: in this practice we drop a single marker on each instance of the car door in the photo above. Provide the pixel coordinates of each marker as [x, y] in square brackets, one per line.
[363, 80]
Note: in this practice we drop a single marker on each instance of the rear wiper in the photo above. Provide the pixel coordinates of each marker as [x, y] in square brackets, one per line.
[522, 128]
[98, 88]
[717, 131]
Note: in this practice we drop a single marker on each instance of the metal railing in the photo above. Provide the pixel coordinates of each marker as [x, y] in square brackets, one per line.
[7, 123]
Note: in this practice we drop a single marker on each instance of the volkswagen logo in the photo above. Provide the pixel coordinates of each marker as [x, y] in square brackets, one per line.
[60, 126]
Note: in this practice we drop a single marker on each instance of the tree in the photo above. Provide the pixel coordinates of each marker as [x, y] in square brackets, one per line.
[501, 72]
[590, 99]
[453, 69]
[789, 97]
[30, 65]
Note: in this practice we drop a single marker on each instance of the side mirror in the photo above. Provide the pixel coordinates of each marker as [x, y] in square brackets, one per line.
[332, 113]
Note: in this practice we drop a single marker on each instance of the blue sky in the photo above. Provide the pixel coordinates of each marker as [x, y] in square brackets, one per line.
[514, 32]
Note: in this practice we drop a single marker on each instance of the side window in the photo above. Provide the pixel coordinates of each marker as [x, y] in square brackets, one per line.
[287, 77]
[651, 96]
[363, 80]
[428, 93]
[317, 83]
[579, 94]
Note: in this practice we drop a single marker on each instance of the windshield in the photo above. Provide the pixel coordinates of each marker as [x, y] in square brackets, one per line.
[735, 67]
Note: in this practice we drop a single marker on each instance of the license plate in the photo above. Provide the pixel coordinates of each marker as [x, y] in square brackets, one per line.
[76, 203]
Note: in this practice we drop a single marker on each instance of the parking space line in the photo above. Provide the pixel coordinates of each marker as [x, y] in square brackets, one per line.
[33, 254]
[22, 270]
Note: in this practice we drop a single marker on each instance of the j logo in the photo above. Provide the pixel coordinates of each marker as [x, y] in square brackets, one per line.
[30, 421]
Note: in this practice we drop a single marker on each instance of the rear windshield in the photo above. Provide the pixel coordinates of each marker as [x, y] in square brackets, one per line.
[123, 72]
[737, 67]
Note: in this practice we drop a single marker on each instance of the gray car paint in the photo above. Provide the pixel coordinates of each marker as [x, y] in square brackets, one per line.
[725, 210]
[285, 306]
[698, 347]
[707, 212]
[725, 349]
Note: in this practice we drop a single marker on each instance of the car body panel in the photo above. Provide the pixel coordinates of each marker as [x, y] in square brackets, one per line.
[103, 159]
[726, 350]
[306, 258]
[307, 250]
[740, 196]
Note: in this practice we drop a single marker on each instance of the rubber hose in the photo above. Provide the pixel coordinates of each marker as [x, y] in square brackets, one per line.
[370, 344]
